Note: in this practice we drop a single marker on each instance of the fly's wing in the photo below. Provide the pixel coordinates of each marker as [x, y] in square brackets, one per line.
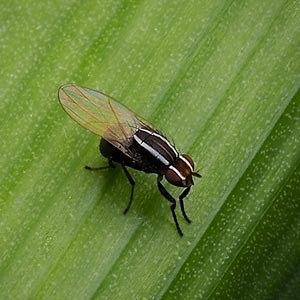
[101, 114]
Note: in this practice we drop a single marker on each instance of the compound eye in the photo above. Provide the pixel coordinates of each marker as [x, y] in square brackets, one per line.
[174, 178]
[189, 159]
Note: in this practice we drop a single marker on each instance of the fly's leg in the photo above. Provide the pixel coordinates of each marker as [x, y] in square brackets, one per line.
[132, 183]
[129, 177]
[110, 165]
[167, 195]
[181, 197]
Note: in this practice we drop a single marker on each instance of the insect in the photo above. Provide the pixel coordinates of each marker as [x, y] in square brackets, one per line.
[131, 141]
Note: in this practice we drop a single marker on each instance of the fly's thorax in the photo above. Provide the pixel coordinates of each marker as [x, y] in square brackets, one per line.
[157, 155]
[181, 171]
[154, 148]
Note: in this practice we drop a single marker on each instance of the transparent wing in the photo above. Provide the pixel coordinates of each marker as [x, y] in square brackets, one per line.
[101, 114]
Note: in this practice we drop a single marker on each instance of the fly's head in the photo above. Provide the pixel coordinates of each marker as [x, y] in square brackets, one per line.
[182, 171]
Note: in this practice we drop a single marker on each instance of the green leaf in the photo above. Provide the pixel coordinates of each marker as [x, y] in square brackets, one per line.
[221, 79]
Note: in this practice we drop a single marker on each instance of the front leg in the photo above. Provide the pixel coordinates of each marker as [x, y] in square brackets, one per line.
[181, 197]
[167, 195]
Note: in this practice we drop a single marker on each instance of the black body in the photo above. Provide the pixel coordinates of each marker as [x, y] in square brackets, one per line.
[138, 158]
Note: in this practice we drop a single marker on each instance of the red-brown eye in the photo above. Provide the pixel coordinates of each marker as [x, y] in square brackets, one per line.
[189, 159]
[174, 178]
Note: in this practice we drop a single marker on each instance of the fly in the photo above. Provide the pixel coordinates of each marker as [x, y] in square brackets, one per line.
[131, 141]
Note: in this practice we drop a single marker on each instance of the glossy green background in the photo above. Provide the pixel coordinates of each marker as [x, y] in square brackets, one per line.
[220, 78]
